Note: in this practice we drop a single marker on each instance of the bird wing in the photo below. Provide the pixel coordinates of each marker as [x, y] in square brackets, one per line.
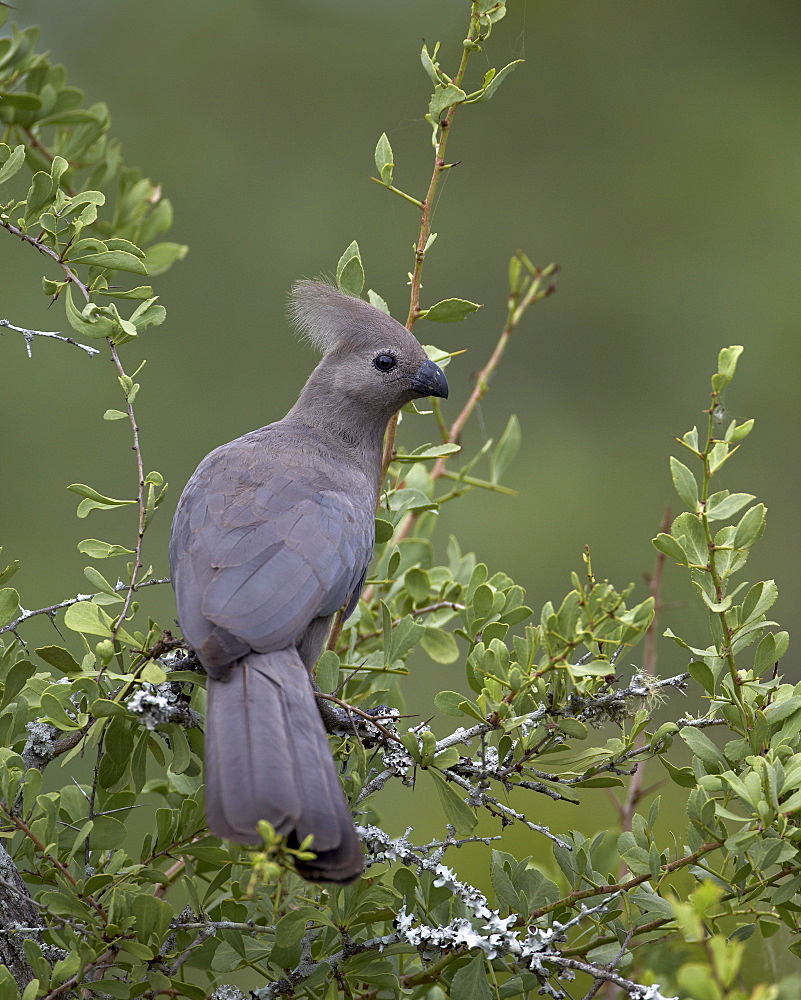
[264, 541]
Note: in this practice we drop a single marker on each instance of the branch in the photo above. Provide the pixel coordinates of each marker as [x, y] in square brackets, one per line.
[48, 252]
[426, 210]
[30, 334]
[52, 610]
[140, 496]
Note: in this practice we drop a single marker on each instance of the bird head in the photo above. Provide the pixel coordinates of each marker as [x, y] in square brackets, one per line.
[369, 359]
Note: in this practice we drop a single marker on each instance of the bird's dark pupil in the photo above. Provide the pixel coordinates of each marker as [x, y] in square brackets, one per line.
[384, 362]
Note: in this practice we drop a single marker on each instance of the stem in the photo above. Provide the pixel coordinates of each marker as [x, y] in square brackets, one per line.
[48, 252]
[713, 570]
[140, 497]
[580, 894]
[426, 209]
[30, 334]
[52, 610]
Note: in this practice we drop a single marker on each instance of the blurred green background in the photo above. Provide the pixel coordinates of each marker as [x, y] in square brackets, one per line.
[652, 149]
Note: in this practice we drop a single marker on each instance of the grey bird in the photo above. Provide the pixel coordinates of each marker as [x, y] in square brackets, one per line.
[272, 536]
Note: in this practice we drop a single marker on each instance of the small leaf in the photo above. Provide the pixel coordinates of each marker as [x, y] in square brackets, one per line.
[750, 527]
[87, 618]
[683, 776]
[9, 605]
[161, 256]
[384, 161]
[59, 658]
[92, 494]
[12, 163]
[448, 703]
[489, 90]
[114, 415]
[721, 506]
[670, 547]
[727, 364]
[113, 260]
[440, 646]
[377, 301]
[471, 983]
[96, 549]
[444, 97]
[507, 448]
[450, 310]
[350, 271]
[457, 812]
[327, 671]
[684, 483]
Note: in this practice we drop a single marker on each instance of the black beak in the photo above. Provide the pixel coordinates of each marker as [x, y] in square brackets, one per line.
[430, 380]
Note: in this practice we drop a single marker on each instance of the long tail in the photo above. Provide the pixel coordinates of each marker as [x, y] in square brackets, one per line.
[267, 757]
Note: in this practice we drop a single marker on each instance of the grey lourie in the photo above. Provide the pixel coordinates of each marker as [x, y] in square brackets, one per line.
[272, 535]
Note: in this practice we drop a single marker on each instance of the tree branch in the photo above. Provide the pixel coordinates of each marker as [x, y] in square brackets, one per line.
[30, 334]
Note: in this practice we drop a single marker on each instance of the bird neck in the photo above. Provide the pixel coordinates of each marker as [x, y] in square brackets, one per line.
[357, 430]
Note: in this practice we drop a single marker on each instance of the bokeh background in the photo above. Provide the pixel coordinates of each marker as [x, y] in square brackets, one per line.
[652, 149]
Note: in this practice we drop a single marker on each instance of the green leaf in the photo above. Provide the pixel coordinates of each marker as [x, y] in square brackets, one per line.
[683, 776]
[384, 161]
[113, 260]
[427, 452]
[97, 498]
[9, 605]
[161, 256]
[507, 448]
[327, 671]
[727, 364]
[702, 674]
[109, 833]
[429, 65]
[148, 313]
[684, 483]
[88, 619]
[488, 91]
[742, 431]
[87, 323]
[12, 162]
[377, 301]
[703, 748]
[443, 98]
[59, 658]
[383, 530]
[450, 310]
[96, 549]
[114, 415]
[750, 527]
[448, 703]
[457, 812]
[98, 581]
[440, 646]
[670, 547]
[140, 292]
[721, 506]
[350, 272]
[471, 983]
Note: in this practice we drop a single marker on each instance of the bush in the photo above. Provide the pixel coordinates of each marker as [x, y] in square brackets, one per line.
[547, 708]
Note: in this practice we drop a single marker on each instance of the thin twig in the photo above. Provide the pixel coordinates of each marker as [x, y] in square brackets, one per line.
[30, 334]
[426, 211]
[48, 252]
[140, 497]
[52, 610]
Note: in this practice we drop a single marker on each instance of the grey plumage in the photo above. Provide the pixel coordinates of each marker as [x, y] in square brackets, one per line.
[272, 535]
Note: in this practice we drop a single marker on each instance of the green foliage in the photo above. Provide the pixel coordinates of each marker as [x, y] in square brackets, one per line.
[93, 217]
[101, 748]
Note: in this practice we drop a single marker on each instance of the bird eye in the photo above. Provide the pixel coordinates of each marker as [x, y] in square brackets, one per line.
[384, 362]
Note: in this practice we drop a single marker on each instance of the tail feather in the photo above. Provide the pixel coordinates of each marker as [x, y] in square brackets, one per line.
[267, 757]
